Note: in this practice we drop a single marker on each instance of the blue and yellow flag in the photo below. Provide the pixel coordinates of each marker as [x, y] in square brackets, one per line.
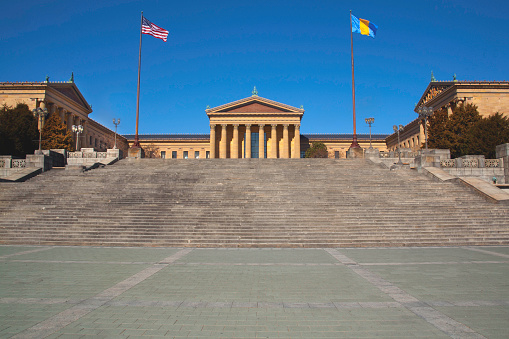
[364, 27]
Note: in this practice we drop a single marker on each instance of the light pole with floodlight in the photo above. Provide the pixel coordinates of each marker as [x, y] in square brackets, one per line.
[425, 113]
[77, 129]
[397, 130]
[369, 121]
[41, 114]
[116, 123]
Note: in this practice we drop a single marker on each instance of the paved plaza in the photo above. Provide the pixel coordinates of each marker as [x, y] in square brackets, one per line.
[75, 292]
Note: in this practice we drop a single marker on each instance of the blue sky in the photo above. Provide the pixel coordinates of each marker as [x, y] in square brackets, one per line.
[295, 52]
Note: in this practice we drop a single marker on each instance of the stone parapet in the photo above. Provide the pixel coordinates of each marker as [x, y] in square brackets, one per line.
[431, 158]
[39, 160]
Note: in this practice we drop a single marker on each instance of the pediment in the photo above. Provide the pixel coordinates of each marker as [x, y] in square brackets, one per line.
[254, 105]
[434, 89]
[71, 91]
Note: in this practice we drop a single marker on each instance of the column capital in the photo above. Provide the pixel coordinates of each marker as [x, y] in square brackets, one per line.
[212, 126]
[261, 125]
[224, 125]
[235, 126]
[274, 125]
[286, 126]
[248, 125]
[297, 126]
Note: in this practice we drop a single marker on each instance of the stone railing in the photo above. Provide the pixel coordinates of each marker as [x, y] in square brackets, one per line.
[89, 153]
[471, 163]
[19, 163]
[9, 162]
[449, 163]
[492, 163]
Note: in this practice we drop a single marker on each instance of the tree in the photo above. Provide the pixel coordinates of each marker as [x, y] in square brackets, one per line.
[317, 150]
[55, 134]
[18, 131]
[453, 132]
[486, 134]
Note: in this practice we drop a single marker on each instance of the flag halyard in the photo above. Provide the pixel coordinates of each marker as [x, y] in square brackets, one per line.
[148, 27]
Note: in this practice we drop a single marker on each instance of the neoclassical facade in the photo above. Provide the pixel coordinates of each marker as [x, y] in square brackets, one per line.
[65, 99]
[490, 97]
[253, 127]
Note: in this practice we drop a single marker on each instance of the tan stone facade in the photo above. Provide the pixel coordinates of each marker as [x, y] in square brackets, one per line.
[64, 99]
[253, 127]
[490, 97]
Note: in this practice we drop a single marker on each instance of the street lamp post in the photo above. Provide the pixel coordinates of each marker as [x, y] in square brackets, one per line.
[116, 123]
[77, 129]
[40, 114]
[369, 121]
[397, 130]
[425, 113]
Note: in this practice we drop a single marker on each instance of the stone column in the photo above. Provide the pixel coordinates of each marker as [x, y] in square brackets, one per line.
[261, 148]
[212, 141]
[248, 142]
[234, 154]
[222, 147]
[286, 146]
[449, 109]
[273, 141]
[296, 143]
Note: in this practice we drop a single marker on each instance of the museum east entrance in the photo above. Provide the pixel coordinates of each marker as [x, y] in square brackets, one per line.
[255, 127]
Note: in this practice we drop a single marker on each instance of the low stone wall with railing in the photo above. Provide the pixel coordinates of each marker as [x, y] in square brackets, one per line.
[8, 165]
[476, 166]
[87, 157]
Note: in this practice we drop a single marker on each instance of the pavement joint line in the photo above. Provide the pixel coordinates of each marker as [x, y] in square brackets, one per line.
[433, 263]
[449, 326]
[260, 304]
[41, 301]
[68, 316]
[253, 264]
[27, 252]
[488, 252]
[78, 262]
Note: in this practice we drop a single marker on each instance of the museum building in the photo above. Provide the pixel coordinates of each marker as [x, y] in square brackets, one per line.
[253, 127]
[65, 99]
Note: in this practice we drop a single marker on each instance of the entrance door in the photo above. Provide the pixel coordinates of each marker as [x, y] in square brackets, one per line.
[255, 142]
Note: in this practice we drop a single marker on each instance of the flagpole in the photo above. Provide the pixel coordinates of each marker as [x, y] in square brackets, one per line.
[354, 141]
[136, 139]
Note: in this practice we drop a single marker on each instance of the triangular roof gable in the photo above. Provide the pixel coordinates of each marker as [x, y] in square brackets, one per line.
[254, 104]
[434, 88]
[71, 91]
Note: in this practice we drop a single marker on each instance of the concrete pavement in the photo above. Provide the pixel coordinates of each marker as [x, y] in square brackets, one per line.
[75, 292]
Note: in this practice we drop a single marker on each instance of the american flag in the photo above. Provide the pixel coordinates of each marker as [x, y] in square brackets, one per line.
[149, 28]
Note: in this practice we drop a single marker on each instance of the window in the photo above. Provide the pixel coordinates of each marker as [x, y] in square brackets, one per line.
[163, 154]
[174, 154]
[207, 155]
[90, 142]
[197, 154]
[336, 154]
[185, 155]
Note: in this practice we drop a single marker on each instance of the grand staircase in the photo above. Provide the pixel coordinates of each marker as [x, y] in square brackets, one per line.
[246, 203]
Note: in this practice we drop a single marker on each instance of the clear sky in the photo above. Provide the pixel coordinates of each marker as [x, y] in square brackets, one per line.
[295, 52]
